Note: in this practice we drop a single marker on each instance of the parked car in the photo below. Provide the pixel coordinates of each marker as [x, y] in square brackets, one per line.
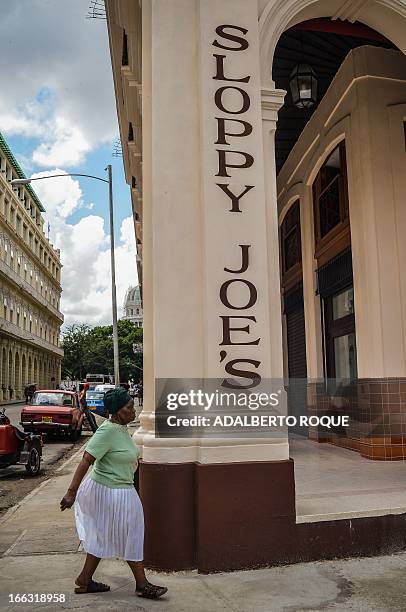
[18, 448]
[95, 399]
[51, 411]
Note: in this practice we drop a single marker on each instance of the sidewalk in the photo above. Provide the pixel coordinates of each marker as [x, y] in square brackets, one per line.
[39, 554]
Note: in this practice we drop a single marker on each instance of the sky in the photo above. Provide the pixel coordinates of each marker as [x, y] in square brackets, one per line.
[58, 115]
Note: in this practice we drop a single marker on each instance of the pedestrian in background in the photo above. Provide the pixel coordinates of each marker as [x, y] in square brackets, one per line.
[108, 510]
[91, 419]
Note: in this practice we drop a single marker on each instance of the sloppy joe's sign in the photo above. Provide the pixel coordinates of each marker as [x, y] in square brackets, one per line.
[233, 196]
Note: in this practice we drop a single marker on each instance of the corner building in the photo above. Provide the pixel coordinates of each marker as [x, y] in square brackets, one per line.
[264, 143]
[30, 289]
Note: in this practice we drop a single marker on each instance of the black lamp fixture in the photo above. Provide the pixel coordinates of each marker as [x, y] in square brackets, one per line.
[303, 86]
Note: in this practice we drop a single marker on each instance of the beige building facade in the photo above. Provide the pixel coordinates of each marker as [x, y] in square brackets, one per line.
[270, 232]
[30, 289]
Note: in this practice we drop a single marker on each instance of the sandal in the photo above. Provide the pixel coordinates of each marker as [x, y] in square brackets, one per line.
[151, 591]
[92, 587]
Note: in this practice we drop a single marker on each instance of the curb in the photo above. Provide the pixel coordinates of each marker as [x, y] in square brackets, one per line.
[33, 493]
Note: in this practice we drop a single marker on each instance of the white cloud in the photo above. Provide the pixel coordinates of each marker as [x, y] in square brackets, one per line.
[85, 253]
[57, 93]
[56, 79]
[66, 147]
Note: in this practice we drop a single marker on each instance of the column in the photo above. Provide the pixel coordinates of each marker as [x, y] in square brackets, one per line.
[271, 101]
[376, 156]
[209, 212]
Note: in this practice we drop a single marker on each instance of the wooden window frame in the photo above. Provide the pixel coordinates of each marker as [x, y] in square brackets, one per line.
[339, 237]
[335, 328]
[292, 275]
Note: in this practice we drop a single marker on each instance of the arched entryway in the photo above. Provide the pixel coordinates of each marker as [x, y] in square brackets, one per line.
[17, 365]
[10, 377]
[333, 276]
[24, 376]
[35, 372]
[277, 16]
[3, 374]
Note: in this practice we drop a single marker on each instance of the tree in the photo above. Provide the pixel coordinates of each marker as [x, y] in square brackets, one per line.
[75, 346]
[90, 350]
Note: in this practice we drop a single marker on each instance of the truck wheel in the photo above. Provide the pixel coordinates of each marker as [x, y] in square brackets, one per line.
[75, 434]
[33, 464]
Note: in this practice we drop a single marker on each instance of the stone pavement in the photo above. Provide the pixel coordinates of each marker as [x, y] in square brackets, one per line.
[40, 554]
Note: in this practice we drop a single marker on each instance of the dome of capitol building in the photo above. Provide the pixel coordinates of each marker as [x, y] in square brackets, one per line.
[133, 306]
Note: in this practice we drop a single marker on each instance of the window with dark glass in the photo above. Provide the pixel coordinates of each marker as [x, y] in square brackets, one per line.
[291, 240]
[124, 56]
[130, 132]
[330, 194]
[340, 338]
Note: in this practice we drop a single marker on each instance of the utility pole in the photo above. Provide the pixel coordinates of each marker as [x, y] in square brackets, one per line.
[26, 181]
[113, 282]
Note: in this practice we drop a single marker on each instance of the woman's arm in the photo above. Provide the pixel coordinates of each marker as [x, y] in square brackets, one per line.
[69, 498]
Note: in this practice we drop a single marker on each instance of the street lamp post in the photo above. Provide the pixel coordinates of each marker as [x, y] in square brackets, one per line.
[109, 181]
[113, 282]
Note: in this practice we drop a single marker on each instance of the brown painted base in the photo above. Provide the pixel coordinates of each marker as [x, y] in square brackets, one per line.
[224, 517]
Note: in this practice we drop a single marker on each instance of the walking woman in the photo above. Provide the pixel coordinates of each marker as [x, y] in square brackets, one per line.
[108, 511]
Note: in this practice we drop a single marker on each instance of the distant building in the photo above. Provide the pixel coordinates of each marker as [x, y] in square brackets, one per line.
[133, 306]
[30, 288]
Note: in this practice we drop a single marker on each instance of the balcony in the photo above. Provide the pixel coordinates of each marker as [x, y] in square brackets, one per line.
[26, 287]
[25, 336]
[31, 253]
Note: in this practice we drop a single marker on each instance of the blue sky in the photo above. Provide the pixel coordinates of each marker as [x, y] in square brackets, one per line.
[58, 114]
[94, 163]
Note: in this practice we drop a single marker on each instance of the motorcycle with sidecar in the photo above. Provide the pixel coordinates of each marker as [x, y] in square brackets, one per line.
[19, 448]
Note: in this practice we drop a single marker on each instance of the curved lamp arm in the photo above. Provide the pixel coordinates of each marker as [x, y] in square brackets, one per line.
[27, 181]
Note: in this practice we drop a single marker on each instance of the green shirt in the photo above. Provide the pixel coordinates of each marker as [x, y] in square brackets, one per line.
[116, 456]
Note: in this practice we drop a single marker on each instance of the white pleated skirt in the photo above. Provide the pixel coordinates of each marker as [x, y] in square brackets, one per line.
[110, 522]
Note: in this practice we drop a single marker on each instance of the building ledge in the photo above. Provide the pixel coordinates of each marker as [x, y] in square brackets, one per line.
[24, 336]
[22, 285]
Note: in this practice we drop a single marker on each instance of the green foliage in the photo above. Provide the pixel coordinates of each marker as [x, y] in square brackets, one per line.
[91, 350]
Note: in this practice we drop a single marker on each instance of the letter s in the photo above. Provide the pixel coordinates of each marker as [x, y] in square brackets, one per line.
[254, 377]
[241, 42]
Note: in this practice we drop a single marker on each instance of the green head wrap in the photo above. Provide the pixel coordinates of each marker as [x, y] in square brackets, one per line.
[114, 399]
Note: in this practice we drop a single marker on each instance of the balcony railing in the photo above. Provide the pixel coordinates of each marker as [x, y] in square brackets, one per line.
[32, 253]
[23, 285]
[22, 334]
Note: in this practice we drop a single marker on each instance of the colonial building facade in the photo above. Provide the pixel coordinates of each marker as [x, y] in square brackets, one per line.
[30, 289]
[264, 144]
[133, 306]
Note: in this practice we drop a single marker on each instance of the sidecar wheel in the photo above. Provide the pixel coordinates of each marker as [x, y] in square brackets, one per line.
[33, 464]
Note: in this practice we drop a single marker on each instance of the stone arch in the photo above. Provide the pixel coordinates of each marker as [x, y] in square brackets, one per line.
[17, 376]
[35, 371]
[41, 373]
[24, 375]
[10, 383]
[3, 373]
[388, 18]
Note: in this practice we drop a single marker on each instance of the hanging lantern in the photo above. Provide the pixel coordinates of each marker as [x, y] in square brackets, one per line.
[303, 86]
